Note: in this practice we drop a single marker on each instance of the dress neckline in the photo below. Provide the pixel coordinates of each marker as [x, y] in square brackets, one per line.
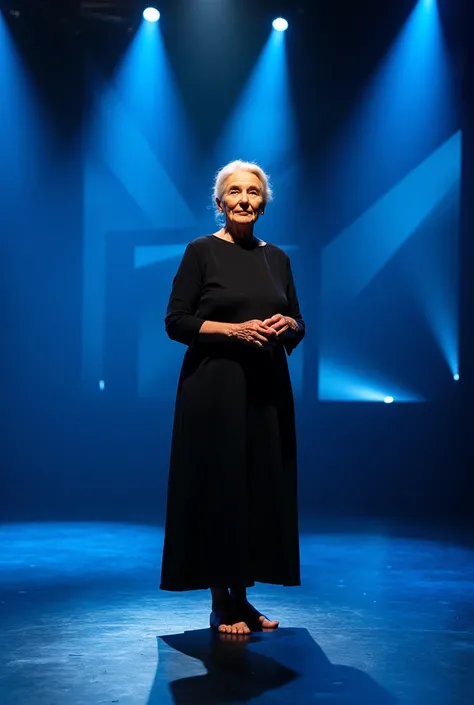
[216, 237]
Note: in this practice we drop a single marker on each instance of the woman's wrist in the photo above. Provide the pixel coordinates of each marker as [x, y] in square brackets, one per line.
[231, 330]
[217, 328]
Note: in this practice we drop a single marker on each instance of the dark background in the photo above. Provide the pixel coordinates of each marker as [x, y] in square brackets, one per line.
[67, 455]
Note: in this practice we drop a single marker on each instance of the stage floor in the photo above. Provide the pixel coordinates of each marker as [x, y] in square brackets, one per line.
[379, 619]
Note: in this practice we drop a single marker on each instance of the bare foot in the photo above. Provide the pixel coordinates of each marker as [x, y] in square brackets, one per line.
[226, 621]
[255, 619]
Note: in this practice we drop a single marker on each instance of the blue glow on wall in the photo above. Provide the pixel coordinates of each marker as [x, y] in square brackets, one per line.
[393, 180]
[129, 182]
[340, 382]
[262, 123]
[24, 134]
[146, 255]
[353, 258]
[407, 109]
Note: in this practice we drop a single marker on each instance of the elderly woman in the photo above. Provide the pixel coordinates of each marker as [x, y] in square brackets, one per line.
[232, 496]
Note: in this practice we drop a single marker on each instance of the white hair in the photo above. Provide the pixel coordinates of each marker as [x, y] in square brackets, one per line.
[230, 168]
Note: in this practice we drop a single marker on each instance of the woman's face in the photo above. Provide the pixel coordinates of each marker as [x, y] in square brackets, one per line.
[242, 201]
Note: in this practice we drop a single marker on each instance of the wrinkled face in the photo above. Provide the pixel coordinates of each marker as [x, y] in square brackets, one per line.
[242, 201]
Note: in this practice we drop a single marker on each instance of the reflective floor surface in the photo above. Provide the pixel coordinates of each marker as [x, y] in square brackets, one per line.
[379, 619]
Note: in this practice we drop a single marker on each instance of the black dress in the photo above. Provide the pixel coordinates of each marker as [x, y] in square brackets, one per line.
[232, 514]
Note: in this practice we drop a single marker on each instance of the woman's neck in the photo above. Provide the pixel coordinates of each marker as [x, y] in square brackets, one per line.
[236, 233]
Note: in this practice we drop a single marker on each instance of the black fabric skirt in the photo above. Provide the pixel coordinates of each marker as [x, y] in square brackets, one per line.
[232, 516]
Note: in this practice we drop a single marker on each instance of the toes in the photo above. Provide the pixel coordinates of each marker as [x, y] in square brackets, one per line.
[241, 628]
[238, 628]
[268, 624]
[257, 622]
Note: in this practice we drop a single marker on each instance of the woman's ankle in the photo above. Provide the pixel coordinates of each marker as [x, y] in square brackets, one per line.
[239, 594]
[220, 596]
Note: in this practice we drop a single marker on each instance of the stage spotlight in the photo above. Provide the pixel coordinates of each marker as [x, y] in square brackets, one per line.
[151, 14]
[456, 377]
[389, 400]
[101, 385]
[280, 24]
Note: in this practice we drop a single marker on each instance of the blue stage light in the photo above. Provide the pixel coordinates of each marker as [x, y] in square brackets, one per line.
[456, 377]
[280, 24]
[151, 14]
[389, 400]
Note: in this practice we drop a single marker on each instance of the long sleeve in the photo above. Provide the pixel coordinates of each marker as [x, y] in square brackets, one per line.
[181, 321]
[292, 338]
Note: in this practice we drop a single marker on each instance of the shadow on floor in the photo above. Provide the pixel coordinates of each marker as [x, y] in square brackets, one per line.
[286, 666]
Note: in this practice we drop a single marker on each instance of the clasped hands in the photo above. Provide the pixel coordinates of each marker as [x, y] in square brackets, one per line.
[262, 333]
